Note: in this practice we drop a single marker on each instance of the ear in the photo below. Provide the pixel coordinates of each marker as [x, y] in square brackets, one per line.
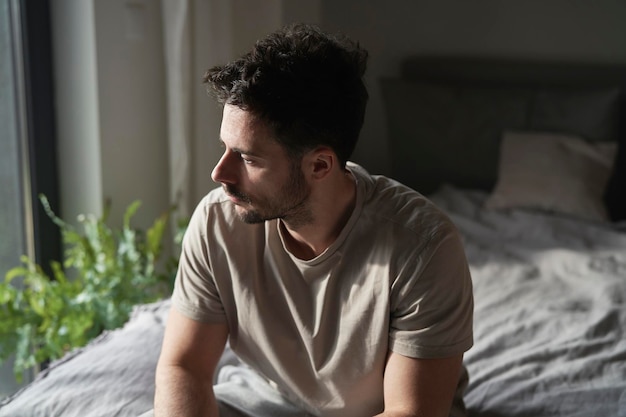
[321, 162]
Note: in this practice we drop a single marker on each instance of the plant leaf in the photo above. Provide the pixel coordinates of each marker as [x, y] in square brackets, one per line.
[130, 212]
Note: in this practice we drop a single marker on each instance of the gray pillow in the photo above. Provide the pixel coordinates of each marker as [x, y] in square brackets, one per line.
[553, 172]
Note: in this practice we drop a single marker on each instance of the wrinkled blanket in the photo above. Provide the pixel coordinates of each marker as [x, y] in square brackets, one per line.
[550, 312]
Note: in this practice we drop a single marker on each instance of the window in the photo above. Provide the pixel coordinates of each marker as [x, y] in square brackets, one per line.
[27, 142]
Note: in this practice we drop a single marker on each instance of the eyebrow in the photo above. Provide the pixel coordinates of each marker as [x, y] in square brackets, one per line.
[241, 151]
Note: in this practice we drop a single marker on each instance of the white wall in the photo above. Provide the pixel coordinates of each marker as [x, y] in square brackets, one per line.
[392, 29]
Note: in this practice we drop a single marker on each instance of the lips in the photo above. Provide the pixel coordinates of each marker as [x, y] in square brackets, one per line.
[235, 196]
[234, 199]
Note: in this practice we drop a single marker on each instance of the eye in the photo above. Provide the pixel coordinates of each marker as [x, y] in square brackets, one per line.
[246, 160]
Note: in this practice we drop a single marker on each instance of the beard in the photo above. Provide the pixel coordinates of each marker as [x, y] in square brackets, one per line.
[288, 204]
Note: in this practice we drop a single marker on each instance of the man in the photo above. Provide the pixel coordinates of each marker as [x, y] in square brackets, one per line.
[346, 294]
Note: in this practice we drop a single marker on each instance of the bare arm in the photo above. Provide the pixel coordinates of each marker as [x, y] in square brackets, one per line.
[420, 387]
[184, 376]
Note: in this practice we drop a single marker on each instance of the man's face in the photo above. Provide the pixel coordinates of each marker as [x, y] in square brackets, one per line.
[256, 172]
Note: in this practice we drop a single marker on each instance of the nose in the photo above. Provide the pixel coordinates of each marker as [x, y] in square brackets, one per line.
[224, 171]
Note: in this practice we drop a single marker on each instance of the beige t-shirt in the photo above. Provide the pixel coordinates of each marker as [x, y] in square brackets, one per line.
[319, 330]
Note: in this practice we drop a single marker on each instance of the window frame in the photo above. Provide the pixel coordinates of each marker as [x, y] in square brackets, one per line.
[40, 126]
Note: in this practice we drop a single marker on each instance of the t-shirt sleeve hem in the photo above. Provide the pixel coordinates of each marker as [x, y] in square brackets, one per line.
[427, 352]
[196, 313]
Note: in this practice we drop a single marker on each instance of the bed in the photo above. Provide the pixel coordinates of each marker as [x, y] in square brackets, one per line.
[529, 161]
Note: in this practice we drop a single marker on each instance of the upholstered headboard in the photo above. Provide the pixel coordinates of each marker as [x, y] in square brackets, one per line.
[446, 116]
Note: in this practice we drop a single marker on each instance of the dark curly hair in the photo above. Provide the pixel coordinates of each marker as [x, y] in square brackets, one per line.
[305, 83]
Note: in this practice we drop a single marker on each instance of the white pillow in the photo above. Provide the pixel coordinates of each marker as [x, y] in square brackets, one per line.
[554, 172]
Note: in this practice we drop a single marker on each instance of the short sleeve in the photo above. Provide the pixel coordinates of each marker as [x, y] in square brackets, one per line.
[195, 292]
[432, 301]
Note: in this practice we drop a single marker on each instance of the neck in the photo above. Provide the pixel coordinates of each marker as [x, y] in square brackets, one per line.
[331, 207]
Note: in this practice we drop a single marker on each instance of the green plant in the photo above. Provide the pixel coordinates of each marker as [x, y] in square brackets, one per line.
[105, 273]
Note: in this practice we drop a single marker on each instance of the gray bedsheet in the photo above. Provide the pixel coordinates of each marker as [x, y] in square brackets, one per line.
[550, 312]
[550, 317]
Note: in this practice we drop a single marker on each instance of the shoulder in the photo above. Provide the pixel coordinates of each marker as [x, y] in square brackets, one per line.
[215, 218]
[392, 206]
[215, 204]
[213, 200]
